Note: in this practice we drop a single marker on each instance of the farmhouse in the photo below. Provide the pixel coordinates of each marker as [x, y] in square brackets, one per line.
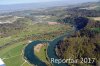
[2, 63]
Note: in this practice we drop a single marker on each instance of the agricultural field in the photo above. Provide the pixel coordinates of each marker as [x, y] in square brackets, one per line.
[12, 46]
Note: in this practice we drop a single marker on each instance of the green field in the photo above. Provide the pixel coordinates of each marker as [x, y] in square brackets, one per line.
[12, 46]
[96, 29]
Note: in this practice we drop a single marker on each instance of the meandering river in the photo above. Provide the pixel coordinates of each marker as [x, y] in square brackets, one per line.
[30, 56]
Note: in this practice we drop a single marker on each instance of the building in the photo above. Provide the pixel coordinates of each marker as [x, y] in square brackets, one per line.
[2, 63]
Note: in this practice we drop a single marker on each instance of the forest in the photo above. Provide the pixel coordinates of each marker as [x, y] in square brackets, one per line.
[83, 43]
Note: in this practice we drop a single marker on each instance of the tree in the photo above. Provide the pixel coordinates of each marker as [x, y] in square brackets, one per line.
[80, 22]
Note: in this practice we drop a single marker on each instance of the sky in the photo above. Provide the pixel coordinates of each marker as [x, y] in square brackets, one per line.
[6, 2]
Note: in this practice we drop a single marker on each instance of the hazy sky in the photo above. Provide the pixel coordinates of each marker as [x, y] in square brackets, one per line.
[32, 1]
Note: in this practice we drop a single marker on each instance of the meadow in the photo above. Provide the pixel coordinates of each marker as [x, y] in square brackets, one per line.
[12, 47]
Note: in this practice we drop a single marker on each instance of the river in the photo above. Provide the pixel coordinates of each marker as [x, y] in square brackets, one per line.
[30, 56]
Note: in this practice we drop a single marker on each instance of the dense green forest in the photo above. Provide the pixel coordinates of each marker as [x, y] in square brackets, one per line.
[84, 43]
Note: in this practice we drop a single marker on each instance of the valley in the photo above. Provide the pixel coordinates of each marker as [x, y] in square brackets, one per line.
[32, 37]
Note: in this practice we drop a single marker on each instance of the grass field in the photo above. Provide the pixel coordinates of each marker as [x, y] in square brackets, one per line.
[12, 54]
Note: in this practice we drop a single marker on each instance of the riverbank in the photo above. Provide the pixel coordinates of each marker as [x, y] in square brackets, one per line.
[33, 59]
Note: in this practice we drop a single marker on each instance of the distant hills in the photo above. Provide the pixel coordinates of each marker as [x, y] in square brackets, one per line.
[28, 6]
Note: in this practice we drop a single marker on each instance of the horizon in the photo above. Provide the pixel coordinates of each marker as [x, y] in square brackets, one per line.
[13, 2]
